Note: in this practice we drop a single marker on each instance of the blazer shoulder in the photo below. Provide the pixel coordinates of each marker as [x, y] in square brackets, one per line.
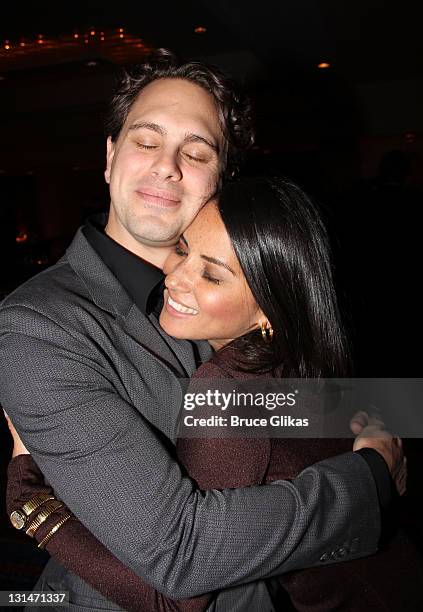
[52, 294]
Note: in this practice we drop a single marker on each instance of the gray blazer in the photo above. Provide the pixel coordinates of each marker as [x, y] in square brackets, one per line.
[92, 386]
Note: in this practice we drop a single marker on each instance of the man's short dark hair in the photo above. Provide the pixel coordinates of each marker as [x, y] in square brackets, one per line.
[234, 108]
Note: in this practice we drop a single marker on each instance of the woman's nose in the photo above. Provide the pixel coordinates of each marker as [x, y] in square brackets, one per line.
[179, 280]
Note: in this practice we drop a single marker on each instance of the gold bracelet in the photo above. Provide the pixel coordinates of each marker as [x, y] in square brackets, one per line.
[53, 530]
[19, 518]
[42, 516]
[35, 502]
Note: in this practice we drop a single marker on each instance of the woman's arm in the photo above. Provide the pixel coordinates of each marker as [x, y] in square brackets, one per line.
[80, 552]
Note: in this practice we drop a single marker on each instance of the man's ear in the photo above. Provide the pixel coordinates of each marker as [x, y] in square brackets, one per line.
[109, 158]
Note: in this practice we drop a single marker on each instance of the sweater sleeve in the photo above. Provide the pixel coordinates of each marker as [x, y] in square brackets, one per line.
[80, 552]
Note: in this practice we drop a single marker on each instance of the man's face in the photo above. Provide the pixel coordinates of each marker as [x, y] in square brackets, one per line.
[164, 165]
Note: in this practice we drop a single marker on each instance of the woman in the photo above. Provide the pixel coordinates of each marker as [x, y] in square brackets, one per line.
[252, 275]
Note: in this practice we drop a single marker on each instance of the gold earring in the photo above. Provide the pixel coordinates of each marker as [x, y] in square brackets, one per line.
[266, 331]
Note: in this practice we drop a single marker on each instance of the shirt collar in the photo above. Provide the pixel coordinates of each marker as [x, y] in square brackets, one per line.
[140, 279]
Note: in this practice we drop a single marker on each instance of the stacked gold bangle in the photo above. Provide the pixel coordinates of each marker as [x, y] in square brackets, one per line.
[19, 518]
[42, 516]
[53, 530]
[36, 502]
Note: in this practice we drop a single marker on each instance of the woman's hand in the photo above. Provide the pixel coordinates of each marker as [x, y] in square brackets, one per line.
[18, 446]
[370, 432]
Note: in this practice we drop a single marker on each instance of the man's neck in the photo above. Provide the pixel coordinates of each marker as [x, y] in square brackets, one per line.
[152, 254]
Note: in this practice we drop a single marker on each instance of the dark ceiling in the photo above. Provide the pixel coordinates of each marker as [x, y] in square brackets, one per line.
[368, 101]
[364, 40]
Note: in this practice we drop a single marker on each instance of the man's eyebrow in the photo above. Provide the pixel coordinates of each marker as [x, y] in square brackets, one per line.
[149, 126]
[218, 262]
[197, 138]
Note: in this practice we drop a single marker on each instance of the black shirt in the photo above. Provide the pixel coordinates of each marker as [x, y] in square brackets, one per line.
[141, 280]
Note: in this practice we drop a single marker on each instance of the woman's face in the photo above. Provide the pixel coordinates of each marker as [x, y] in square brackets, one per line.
[206, 295]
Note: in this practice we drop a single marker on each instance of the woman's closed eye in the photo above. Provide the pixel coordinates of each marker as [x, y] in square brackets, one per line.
[181, 249]
[211, 279]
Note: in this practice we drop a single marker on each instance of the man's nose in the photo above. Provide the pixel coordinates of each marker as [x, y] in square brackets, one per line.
[165, 166]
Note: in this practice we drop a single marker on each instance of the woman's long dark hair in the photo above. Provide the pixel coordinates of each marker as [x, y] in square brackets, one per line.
[283, 249]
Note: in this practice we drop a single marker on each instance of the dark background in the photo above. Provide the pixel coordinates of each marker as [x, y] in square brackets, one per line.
[350, 134]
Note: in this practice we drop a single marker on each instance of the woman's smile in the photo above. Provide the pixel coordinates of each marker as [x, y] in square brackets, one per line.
[176, 308]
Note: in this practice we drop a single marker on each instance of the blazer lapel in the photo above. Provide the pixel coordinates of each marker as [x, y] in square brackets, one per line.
[181, 349]
[108, 293]
[204, 350]
[139, 327]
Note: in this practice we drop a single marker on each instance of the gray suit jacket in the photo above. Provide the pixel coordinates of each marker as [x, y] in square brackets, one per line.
[92, 385]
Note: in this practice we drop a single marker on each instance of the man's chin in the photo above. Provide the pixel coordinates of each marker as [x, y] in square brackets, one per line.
[153, 232]
[157, 241]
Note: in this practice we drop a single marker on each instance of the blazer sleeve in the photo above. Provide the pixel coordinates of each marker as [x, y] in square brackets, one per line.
[80, 552]
[118, 477]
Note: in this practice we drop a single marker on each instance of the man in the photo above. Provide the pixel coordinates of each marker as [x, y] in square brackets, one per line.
[91, 381]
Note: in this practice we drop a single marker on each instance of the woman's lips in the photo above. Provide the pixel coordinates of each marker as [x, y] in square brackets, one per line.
[157, 198]
[176, 309]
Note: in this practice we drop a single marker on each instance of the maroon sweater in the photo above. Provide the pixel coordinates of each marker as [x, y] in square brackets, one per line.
[388, 581]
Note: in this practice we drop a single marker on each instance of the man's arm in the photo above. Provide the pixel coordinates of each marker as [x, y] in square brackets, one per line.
[111, 468]
[80, 552]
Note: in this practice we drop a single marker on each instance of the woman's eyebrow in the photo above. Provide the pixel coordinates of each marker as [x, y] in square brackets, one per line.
[218, 262]
[212, 260]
